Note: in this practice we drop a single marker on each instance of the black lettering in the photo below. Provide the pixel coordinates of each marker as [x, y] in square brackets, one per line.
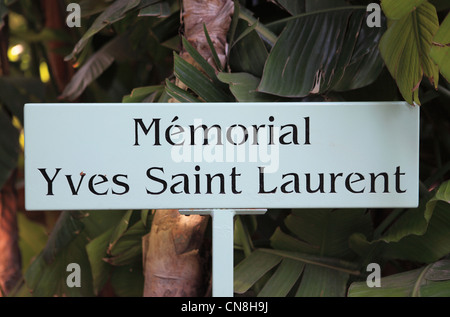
[397, 180]
[140, 123]
[91, 184]
[185, 184]
[373, 177]
[209, 179]
[169, 134]
[49, 181]
[333, 181]
[125, 186]
[233, 181]
[296, 182]
[294, 134]
[261, 183]
[156, 179]
[348, 183]
[244, 130]
[206, 134]
[71, 185]
[319, 187]
[307, 131]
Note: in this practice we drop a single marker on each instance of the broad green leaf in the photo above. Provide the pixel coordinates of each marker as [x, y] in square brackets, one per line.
[179, 94]
[284, 278]
[96, 251]
[405, 48]
[49, 279]
[198, 82]
[416, 221]
[243, 86]
[440, 50]
[316, 51]
[115, 12]
[141, 94]
[9, 146]
[160, 9]
[119, 230]
[248, 53]
[213, 49]
[207, 68]
[32, 239]
[419, 234]
[431, 280]
[253, 268]
[328, 231]
[46, 276]
[66, 229]
[397, 9]
[322, 282]
[128, 281]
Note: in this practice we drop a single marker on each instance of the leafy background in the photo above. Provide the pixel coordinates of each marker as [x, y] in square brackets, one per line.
[128, 51]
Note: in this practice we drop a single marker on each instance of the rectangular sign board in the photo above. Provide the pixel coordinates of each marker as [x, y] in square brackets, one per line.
[221, 155]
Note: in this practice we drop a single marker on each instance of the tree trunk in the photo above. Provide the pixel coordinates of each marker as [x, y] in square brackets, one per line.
[10, 260]
[172, 262]
[54, 13]
[173, 266]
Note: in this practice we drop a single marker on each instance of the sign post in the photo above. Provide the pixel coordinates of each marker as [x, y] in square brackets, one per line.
[223, 246]
[221, 159]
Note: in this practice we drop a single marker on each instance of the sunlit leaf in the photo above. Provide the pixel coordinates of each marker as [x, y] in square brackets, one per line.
[397, 9]
[440, 51]
[405, 48]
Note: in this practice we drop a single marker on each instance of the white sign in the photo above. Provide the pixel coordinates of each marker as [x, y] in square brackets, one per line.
[221, 155]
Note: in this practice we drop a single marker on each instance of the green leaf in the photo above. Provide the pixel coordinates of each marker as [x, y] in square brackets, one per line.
[46, 276]
[128, 281]
[32, 239]
[284, 278]
[161, 9]
[248, 53]
[141, 94]
[96, 251]
[179, 94]
[319, 52]
[322, 282]
[9, 146]
[253, 268]
[328, 231]
[208, 69]
[243, 86]
[198, 82]
[432, 280]
[397, 9]
[440, 50]
[213, 49]
[405, 48]
[419, 234]
[115, 12]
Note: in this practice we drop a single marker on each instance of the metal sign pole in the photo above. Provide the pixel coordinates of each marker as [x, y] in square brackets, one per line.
[222, 246]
